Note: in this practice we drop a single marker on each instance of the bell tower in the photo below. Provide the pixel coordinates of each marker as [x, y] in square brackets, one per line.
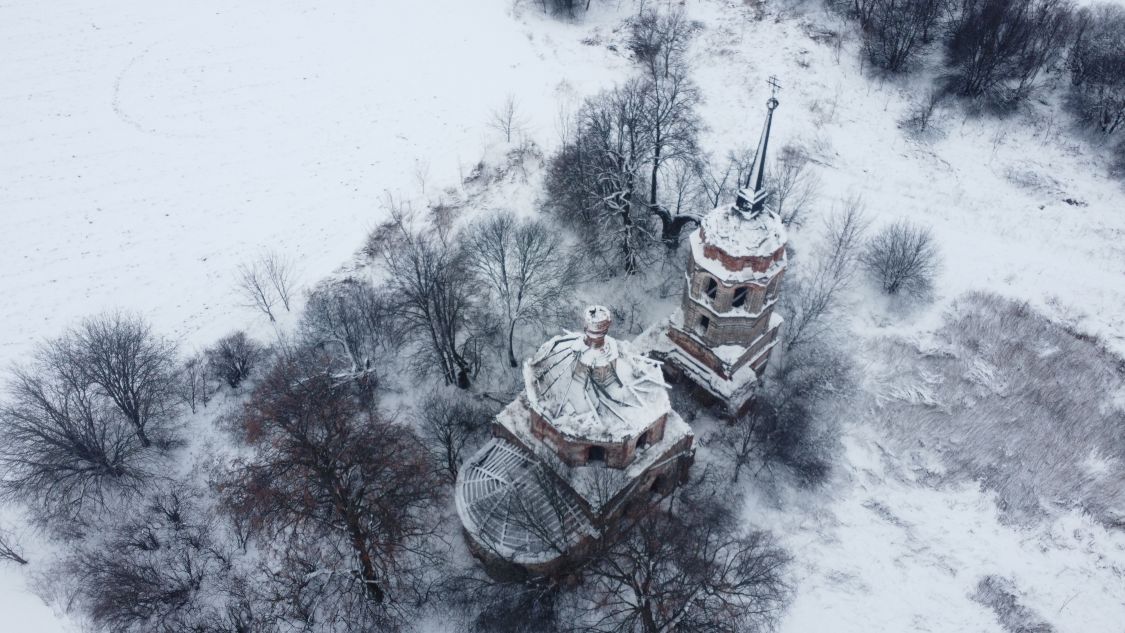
[722, 335]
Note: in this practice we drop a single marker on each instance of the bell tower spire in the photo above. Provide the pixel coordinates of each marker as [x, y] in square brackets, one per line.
[723, 334]
[752, 196]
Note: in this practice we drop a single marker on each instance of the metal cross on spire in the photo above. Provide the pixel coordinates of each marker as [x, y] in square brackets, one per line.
[752, 198]
[774, 86]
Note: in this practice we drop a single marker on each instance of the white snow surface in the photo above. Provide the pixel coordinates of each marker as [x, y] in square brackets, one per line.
[880, 551]
[740, 235]
[149, 148]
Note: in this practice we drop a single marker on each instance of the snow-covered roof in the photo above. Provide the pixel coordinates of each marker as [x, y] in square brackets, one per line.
[740, 234]
[510, 504]
[716, 268]
[734, 389]
[603, 394]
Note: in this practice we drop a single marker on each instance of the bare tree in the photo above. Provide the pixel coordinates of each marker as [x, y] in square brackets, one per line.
[895, 30]
[673, 128]
[130, 365]
[256, 289]
[515, 605]
[233, 358]
[739, 442]
[193, 386]
[282, 276]
[434, 296]
[787, 430]
[1097, 68]
[266, 281]
[344, 499]
[9, 549]
[525, 267]
[720, 180]
[564, 7]
[811, 297]
[659, 40]
[792, 186]
[902, 258]
[62, 446]
[998, 48]
[506, 119]
[353, 320]
[451, 425]
[595, 182]
[692, 569]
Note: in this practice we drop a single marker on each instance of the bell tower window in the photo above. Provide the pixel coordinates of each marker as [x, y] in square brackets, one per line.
[595, 454]
[703, 324]
[739, 297]
[712, 288]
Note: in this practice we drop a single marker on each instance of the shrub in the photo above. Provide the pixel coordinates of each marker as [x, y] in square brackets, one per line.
[1013, 401]
[1096, 61]
[903, 259]
[895, 31]
[234, 357]
[997, 48]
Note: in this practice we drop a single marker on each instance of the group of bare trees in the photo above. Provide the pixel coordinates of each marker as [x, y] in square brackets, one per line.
[687, 562]
[894, 31]
[997, 51]
[631, 174]
[1096, 61]
[86, 417]
[338, 498]
[452, 294]
[692, 567]
[627, 169]
[162, 567]
[266, 282]
[999, 48]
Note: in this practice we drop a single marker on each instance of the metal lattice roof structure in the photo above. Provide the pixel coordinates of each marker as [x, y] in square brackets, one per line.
[510, 505]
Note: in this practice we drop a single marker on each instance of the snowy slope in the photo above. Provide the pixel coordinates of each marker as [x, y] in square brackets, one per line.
[148, 148]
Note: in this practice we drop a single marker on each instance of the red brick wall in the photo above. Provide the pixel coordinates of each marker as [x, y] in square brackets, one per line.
[757, 264]
[697, 351]
[576, 452]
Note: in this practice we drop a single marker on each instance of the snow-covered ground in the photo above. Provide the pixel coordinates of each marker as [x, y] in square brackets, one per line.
[146, 149]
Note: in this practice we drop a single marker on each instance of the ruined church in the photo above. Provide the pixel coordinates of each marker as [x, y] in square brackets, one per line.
[594, 435]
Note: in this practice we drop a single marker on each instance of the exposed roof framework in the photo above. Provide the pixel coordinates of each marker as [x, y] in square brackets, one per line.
[510, 504]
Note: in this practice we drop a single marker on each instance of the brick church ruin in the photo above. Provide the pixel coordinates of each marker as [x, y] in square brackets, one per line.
[593, 434]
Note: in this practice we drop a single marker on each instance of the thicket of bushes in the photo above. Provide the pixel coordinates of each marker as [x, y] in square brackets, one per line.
[996, 53]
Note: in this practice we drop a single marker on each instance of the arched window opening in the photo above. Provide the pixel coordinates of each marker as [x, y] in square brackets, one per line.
[642, 440]
[704, 322]
[739, 297]
[712, 288]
